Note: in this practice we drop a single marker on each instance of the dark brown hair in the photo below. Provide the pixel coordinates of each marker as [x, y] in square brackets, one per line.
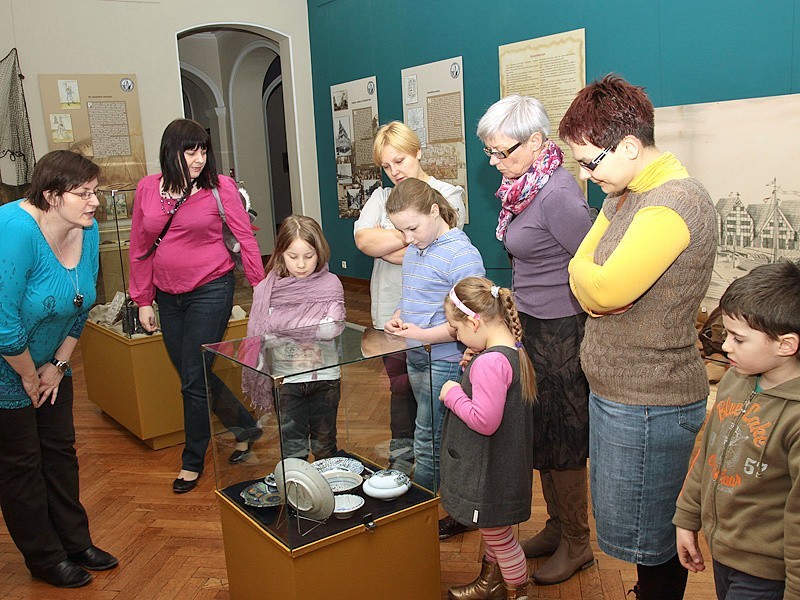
[57, 172]
[296, 227]
[767, 299]
[179, 136]
[476, 294]
[605, 111]
[415, 194]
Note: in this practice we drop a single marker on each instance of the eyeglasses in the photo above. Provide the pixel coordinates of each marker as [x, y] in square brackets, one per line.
[501, 154]
[86, 195]
[591, 166]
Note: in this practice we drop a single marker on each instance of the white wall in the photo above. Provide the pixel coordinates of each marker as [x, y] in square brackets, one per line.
[140, 37]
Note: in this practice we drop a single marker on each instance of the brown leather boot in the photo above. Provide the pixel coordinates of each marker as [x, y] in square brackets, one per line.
[574, 552]
[518, 592]
[488, 585]
[546, 541]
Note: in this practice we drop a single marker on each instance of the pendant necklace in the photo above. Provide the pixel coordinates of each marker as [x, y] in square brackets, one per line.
[170, 205]
[78, 299]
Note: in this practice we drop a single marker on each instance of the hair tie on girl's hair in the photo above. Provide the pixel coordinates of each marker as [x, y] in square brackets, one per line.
[461, 306]
[519, 345]
[495, 291]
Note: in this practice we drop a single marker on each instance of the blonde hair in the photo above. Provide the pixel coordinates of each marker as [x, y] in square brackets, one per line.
[476, 294]
[397, 135]
[296, 227]
[415, 194]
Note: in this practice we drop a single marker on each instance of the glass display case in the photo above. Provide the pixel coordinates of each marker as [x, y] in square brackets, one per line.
[324, 466]
[319, 396]
[113, 308]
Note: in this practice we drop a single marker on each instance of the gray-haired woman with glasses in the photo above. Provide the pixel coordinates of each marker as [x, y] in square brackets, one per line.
[543, 219]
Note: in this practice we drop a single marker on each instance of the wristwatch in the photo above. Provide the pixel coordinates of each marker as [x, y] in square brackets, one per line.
[61, 365]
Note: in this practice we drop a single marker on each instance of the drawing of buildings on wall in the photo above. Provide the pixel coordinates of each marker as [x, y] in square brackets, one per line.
[343, 143]
[744, 153]
[754, 233]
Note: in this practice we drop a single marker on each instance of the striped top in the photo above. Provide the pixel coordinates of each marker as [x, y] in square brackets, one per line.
[428, 276]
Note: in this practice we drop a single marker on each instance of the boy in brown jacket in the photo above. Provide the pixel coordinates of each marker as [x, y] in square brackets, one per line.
[743, 485]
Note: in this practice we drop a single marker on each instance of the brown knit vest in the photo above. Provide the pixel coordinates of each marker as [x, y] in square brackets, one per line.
[647, 355]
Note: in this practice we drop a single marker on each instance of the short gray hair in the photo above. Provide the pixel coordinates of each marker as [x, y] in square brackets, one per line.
[515, 116]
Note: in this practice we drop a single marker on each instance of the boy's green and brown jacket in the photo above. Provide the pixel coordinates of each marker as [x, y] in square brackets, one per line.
[743, 485]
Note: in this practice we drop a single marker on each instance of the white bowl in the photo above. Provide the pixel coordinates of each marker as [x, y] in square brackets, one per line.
[384, 493]
[388, 479]
[346, 505]
[342, 481]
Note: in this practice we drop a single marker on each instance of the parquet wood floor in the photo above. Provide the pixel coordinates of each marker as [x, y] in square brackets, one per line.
[170, 546]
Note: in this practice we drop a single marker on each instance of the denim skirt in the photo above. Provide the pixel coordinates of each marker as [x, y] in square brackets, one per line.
[638, 457]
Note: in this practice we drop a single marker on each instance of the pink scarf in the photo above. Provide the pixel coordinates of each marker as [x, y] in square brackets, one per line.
[516, 194]
[283, 304]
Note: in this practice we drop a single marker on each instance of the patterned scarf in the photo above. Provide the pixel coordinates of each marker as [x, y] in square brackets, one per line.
[516, 194]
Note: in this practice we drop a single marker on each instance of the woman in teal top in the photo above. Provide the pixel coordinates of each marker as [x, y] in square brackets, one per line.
[48, 272]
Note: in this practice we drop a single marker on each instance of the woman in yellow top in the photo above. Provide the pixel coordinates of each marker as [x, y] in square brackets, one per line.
[641, 273]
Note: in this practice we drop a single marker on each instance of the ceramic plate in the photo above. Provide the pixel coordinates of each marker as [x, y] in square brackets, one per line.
[306, 489]
[339, 463]
[260, 496]
[346, 505]
[342, 481]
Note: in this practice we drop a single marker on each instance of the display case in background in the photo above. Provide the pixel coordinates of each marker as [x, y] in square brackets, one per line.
[128, 373]
[281, 537]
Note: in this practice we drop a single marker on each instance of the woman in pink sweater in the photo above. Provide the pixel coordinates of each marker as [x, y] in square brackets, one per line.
[189, 273]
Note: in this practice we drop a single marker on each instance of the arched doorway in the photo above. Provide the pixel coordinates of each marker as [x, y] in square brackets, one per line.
[223, 73]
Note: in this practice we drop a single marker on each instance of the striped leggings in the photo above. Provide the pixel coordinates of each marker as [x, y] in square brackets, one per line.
[504, 549]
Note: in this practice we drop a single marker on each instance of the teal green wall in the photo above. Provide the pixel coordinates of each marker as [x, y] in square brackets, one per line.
[682, 51]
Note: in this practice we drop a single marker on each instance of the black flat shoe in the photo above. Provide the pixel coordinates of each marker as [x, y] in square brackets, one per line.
[448, 527]
[181, 486]
[95, 559]
[65, 574]
[239, 456]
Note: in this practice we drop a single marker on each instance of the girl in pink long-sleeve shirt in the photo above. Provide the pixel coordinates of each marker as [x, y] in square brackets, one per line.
[487, 448]
[190, 275]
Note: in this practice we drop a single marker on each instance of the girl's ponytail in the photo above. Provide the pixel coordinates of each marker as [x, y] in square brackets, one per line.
[527, 374]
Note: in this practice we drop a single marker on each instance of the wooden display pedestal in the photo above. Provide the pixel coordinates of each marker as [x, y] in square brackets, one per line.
[134, 382]
[397, 560]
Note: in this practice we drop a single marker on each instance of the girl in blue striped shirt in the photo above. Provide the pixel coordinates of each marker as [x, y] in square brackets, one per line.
[438, 256]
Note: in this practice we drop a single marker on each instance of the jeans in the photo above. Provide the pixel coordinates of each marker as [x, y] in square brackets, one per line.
[39, 484]
[427, 384]
[733, 584]
[308, 410]
[638, 457]
[402, 413]
[188, 321]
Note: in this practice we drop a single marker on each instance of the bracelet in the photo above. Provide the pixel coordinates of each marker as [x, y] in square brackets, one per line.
[61, 365]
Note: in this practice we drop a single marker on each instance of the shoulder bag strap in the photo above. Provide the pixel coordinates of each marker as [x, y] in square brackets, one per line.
[169, 222]
[219, 205]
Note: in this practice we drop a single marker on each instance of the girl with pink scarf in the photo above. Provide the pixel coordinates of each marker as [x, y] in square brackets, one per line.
[298, 310]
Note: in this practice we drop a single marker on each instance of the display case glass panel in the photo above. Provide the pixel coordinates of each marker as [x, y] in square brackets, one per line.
[114, 309]
[329, 432]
